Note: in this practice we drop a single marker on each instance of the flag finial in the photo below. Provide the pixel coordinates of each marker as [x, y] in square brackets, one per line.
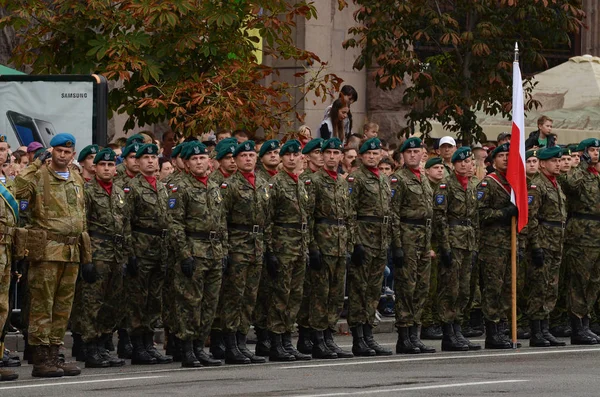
[516, 52]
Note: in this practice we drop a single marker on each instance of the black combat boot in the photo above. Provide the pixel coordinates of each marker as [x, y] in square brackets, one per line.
[537, 337]
[359, 346]
[241, 343]
[305, 344]
[461, 338]
[78, 348]
[404, 345]
[286, 341]
[263, 343]
[449, 341]
[169, 342]
[414, 333]
[545, 324]
[177, 348]
[124, 347]
[492, 339]
[104, 352]
[319, 348]
[233, 355]
[433, 332]
[578, 334]
[278, 353]
[370, 341]
[139, 355]
[153, 351]
[93, 359]
[188, 359]
[110, 345]
[204, 358]
[331, 345]
[585, 321]
[217, 345]
[561, 330]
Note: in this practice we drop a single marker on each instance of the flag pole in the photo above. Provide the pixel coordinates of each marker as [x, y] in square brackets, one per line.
[513, 259]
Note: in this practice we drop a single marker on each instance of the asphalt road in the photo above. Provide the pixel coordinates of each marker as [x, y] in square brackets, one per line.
[567, 371]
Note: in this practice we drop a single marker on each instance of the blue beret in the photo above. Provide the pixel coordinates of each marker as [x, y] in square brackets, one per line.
[370, 144]
[411, 143]
[501, 149]
[332, 143]
[586, 143]
[247, 146]
[193, 148]
[63, 139]
[268, 146]
[433, 161]
[106, 154]
[312, 145]
[551, 152]
[133, 148]
[291, 146]
[89, 149]
[136, 138]
[225, 147]
[148, 148]
[462, 153]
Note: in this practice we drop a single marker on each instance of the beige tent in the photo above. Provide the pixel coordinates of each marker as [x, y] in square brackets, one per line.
[570, 95]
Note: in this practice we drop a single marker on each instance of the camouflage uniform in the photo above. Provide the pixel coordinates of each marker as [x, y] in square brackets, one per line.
[262, 172]
[430, 315]
[8, 221]
[412, 209]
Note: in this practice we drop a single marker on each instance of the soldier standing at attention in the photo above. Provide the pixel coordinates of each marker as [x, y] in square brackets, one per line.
[269, 159]
[545, 235]
[97, 297]
[149, 227]
[370, 213]
[137, 139]
[456, 229]
[199, 227]
[495, 213]
[57, 223]
[86, 161]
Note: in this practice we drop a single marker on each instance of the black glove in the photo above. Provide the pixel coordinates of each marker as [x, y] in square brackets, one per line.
[225, 264]
[520, 255]
[358, 255]
[510, 211]
[537, 257]
[88, 273]
[45, 156]
[272, 265]
[132, 266]
[314, 260]
[398, 257]
[446, 257]
[474, 258]
[188, 265]
[18, 266]
[585, 157]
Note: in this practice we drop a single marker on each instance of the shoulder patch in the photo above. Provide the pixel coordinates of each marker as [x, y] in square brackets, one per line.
[172, 203]
[23, 205]
[126, 189]
[223, 185]
[529, 199]
[480, 195]
[350, 179]
[270, 185]
[394, 179]
[483, 183]
[533, 187]
[350, 190]
[439, 199]
[174, 189]
[443, 186]
[171, 185]
[307, 182]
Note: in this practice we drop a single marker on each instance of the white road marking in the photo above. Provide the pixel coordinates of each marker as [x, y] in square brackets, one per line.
[413, 388]
[81, 382]
[462, 356]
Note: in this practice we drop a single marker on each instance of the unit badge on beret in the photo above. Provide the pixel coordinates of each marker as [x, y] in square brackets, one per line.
[247, 146]
[93, 150]
[196, 150]
[107, 156]
[2, 138]
[412, 144]
[373, 145]
[69, 143]
[272, 145]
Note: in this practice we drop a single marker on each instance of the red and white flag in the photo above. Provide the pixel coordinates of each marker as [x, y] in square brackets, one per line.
[515, 173]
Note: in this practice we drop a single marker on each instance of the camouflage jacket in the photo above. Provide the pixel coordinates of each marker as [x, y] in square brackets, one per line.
[455, 214]
[199, 225]
[123, 181]
[8, 220]
[547, 214]
[56, 205]
[286, 230]
[582, 189]
[262, 172]
[492, 196]
[108, 217]
[173, 179]
[369, 208]
[217, 177]
[306, 178]
[412, 201]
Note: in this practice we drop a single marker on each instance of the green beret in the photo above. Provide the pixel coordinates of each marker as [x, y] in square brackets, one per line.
[332, 143]
[433, 161]
[313, 144]
[370, 144]
[247, 146]
[462, 153]
[291, 146]
[573, 148]
[176, 151]
[133, 148]
[227, 142]
[89, 149]
[268, 146]
[136, 138]
[148, 148]
[531, 153]
[551, 152]
[500, 149]
[106, 154]
[63, 139]
[411, 143]
[586, 143]
[193, 148]
[225, 147]
[566, 150]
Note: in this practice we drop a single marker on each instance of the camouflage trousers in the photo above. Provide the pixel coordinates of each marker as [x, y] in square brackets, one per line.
[411, 285]
[496, 278]
[144, 292]
[286, 293]
[168, 295]
[51, 291]
[263, 300]
[96, 306]
[542, 285]
[238, 292]
[364, 287]
[5, 262]
[430, 314]
[523, 291]
[560, 316]
[455, 286]
[584, 279]
[303, 318]
[195, 299]
[327, 293]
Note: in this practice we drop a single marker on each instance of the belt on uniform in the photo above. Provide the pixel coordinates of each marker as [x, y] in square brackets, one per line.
[418, 222]
[246, 228]
[59, 238]
[460, 222]
[162, 233]
[553, 223]
[117, 238]
[374, 219]
[212, 235]
[298, 226]
[589, 217]
[334, 222]
[6, 231]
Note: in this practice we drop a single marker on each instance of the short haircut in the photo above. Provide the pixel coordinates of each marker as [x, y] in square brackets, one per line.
[222, 132]
[371, 126]
[386, 160]
[241, 133]
[347, 149]
[543, 119]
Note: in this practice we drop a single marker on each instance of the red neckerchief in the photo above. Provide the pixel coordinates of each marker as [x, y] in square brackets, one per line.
[417, 172]
[463, 180]
[129, 175]
[374, 170]
[87, 179]
[293, 176]
[250, 177]
[202, 179]
[593, 170]
[332, 174]
[107, 186]
[272, 172]
[311, 168]
[552, 179]
[226, 175]
[506, 186]
[151, 180]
